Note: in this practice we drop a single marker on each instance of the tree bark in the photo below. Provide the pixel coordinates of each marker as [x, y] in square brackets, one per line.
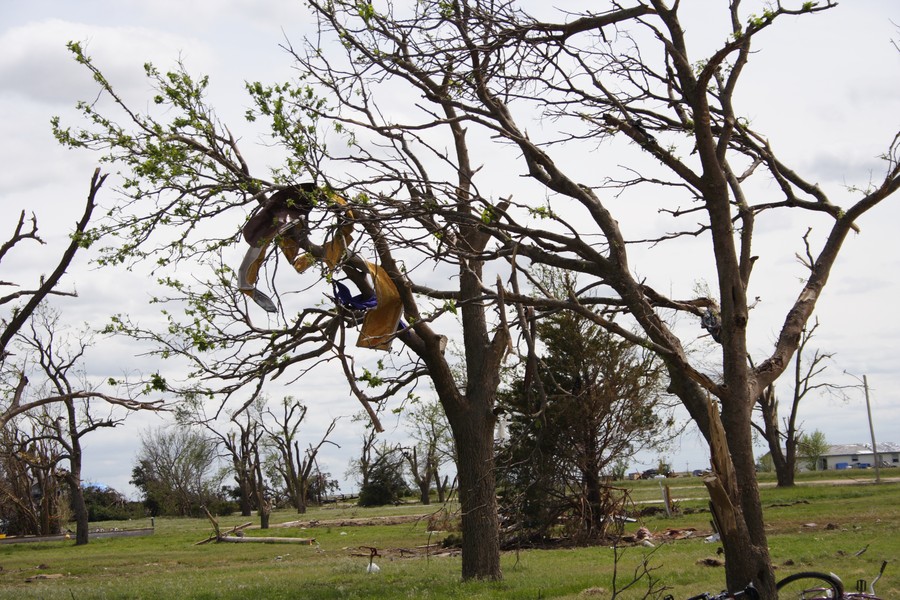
[441, 487]
[783, 463]
[82, 524]
[263, 504]
[735, 498]
[247, 493]
[473, 430]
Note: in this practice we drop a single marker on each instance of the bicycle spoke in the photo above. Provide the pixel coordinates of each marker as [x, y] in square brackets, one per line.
[810, 586]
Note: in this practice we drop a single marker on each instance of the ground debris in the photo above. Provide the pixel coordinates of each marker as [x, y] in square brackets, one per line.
[41, 576]
[710, 561]
[787, 504]
[672, 533]
[351, 522]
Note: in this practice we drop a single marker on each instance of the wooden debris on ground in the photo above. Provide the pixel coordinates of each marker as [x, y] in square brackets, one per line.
[351, 521]
[235, 535]
[42, 576]
[234, 539]
[216, 536]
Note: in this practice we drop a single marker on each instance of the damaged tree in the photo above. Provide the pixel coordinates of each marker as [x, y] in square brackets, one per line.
[788, 431]
[41, 373]
[479, 70]
[592, 399]
[484, 166]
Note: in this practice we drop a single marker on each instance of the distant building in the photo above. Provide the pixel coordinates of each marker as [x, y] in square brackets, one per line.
[860, 456]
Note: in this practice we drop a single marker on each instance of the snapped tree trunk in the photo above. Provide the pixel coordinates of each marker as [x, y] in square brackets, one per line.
[734, 498]
[782, 463]
[441, 486]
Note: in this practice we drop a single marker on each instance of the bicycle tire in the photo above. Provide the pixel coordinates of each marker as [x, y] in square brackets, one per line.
[810, 585]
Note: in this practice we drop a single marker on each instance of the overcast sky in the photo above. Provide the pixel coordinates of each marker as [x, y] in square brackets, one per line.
[826, 88]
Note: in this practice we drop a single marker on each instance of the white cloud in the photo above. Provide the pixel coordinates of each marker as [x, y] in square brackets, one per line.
[35, 63]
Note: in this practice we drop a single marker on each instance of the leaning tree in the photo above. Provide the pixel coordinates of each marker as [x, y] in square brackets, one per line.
[453, 145]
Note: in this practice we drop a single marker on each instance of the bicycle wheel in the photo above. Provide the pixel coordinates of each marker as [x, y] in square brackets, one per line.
[810, 585]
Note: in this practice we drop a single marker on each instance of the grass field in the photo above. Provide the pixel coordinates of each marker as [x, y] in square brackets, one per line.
[816, 525]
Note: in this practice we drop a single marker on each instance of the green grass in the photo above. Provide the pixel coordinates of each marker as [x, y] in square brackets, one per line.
[813, 526]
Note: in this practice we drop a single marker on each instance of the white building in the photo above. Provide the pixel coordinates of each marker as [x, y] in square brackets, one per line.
[860, 456]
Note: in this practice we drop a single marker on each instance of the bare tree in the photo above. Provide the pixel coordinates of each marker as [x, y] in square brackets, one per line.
[241, 449]
[432, 449]
[788, 431]
[296, 466]
[58, 357]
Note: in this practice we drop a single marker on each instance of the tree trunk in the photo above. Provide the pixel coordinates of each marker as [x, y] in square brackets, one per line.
[244, 477]
[593, 502]
[784, 469]
[302, 491]
[425, 493]
[784, 466]
[81, 516]
[74, 480]
[441, 487]
[421, 475]
[473, 430]
[46, 527]
[791, 456]
[79, 506]
[245, 502]
[735, 499]
[263, 504]
[265, 509]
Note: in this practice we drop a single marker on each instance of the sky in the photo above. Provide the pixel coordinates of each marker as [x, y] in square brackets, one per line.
[825, 88]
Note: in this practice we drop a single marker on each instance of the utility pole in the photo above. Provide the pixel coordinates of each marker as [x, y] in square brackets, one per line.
[872, 431]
